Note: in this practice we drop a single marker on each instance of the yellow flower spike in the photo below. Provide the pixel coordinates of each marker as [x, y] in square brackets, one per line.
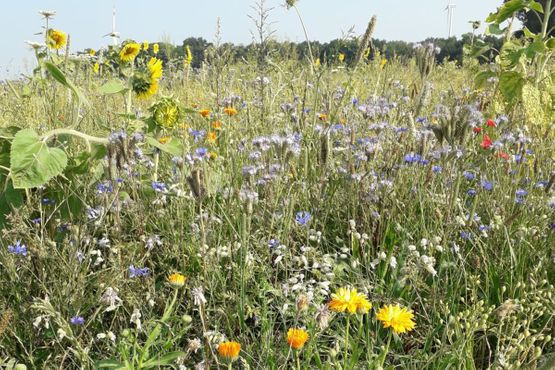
[317, 63]
[400, 319]
[229, 350]
[188, 56]
[296, 338]
[177, 280]
[145, 45]
[129, 52]
[92, 52]
[341, 57]
[383, 63]
[56, 39]
[96, 68]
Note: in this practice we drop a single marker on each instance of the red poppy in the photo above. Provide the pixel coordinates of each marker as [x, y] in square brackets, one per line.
[503, 155]
[491, 123]
[477, 130]
[486, 142]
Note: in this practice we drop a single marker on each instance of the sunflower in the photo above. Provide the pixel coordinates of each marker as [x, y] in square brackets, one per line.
[92, 52]
[129, 52]
[145, 81]
[297, 338]
[229, 350]
[176, 280]
[56, 39]
[166, 113]
[400, 319]
[145, 45]
[96, 68]
[155, 48]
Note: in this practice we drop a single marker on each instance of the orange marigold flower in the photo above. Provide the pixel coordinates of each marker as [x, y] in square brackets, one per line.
[229, 350]
[323, 117]
[205, 112]
[164, 140]
[297, 338]
[230, 111]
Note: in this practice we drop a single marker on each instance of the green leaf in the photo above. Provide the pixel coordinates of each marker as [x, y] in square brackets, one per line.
[482, 78]
[173, 146]
[511, 84]
[109, 364]
[164, 360]
[506, 11]
[534, 5]
[33, 163]
[10, 198]
[112, 87]
[61, 78]
[550, 43]
[494, 29]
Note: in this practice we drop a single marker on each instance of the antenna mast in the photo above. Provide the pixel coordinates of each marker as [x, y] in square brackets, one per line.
[450, 14]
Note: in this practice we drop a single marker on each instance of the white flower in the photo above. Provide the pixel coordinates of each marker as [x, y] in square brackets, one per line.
[136, 318]
[111, 336]
[194, 345]
[393, 262]
[61, 334]
[198, 296]
[110, 297]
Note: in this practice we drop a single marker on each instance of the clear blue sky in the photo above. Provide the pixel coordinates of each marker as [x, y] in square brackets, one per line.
[87, 21]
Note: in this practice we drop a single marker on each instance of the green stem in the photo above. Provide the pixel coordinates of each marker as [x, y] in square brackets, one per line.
[386, 350]
[546, 16]
[298, 360]
[347, 327]
[66, 131]
[229, 366]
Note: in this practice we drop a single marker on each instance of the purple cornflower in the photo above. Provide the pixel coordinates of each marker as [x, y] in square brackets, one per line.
[201, 152]
[273, 243]
[77, 320]
[138, 271]
[48, 202]
[412, 158]
[104, 187]
[197, 134]
[18, 248]
[469, 175]
[465, 235]
[471, 192]
[303, 217]
[520, 193]
[436, 169]
[487, 185]
[159, 187]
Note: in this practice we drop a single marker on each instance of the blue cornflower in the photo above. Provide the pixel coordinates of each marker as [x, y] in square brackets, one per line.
[520, 193]
[273, 243]
[436, 169]
[18, 248]
[138, 271]
[424, 162]
[77, 320]
[201, 152]
[552, 226]
[471, 192]
[412, 158]
[465, 235]
[197, 134]
[159, 187]
[487, 185]
[104, 187]
[47, 201]
[484, 227]
[36, 221]
[303, 217]
[469, 175]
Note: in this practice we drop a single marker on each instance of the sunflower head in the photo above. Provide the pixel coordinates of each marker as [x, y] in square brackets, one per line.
[129, 52]
[145, 45]
[166, 112]
[56, 39]
[229, 350]
[145, 80]
[155, 49]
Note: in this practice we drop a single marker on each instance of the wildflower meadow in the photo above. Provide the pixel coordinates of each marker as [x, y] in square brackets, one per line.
[331, 211]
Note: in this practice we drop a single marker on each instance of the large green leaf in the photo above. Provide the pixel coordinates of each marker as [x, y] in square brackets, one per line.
[165, 360]
[506, 11]
[9, 198]
[61, 78]
[173, 146]
[112, 87]
[511, 84]
[33, 162]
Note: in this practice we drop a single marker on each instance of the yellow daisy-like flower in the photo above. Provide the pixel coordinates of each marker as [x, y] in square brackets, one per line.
[400, 319]
[383, 63]
[56, 39]
[341, 57]
[297, 338]
[92, 52]
[155, 48]
[177, 280]
[129, 52]
[155, 68]
[229, 350]
[96, 68]
[204, 112]
[230, 111]
[213, 155]
[211, 137]
[145, 45]
[323, 117]
[346, 299]
[164, 139]
[217, 125]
